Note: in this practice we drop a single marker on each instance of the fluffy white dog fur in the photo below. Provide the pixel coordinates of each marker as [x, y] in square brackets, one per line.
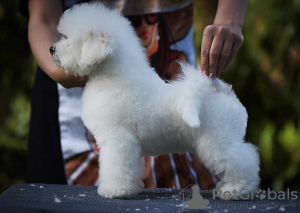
[132, 112]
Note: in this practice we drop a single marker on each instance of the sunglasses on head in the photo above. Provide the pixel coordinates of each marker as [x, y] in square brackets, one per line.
[136, 21]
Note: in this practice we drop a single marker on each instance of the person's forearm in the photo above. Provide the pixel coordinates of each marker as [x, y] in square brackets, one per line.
[41, 38]
[42, 33]
[231, 12]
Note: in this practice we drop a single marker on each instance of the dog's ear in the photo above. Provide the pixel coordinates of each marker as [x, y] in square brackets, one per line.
[95, 48]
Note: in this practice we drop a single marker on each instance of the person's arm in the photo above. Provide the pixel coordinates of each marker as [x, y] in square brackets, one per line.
[222, 40]
[42, 33]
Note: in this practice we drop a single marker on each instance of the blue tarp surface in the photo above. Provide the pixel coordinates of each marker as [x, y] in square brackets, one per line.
[63, 198]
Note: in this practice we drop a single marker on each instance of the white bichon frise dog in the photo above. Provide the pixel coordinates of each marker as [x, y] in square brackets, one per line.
[132, 112]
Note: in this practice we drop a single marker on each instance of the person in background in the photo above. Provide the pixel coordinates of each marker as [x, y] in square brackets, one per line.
[60, 149]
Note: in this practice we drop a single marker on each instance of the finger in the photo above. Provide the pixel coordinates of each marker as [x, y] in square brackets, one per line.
[205, 49]
[81, 84]
[81, 81]
[84, 79]
[214, 55]
[71, 81]
[225, 52]
[235, 47]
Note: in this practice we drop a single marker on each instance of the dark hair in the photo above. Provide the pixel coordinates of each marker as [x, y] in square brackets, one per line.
[160, 59]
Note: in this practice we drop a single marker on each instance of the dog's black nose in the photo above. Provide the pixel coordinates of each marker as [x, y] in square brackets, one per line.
[52, 49]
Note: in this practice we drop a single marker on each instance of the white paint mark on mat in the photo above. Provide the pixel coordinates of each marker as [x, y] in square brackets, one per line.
[269, 208]
[281, 208]
[41, 187]
[32, 184]
[56, 199]
[137, 210]
[175, 197]
[182, 204]
[82, 195]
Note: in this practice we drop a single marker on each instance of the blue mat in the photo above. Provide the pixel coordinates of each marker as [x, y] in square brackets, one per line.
[63, 198]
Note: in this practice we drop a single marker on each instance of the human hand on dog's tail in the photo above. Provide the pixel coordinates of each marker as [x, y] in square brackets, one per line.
[222, 40]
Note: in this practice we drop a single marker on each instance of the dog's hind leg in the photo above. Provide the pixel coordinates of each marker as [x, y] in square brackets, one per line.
[120, 168]
[236, 162]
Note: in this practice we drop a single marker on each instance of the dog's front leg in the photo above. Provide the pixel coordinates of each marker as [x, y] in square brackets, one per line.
[120, 168]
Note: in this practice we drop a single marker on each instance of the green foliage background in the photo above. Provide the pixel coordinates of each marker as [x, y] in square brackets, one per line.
[265, 76]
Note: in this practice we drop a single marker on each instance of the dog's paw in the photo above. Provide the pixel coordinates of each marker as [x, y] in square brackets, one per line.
[219, 184]
[141, 184]
[119, 192]
[235, 191]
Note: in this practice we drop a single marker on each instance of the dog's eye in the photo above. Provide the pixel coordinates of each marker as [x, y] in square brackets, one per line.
[64, 36]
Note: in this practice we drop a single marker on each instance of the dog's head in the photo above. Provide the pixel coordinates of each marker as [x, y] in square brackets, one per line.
[85, 40]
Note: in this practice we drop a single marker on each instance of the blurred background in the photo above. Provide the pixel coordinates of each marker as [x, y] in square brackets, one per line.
[265, 75]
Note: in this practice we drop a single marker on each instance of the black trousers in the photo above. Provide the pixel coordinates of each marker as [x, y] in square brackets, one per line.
[44, 158]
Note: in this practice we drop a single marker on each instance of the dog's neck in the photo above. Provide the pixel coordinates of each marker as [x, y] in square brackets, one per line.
[127, 61]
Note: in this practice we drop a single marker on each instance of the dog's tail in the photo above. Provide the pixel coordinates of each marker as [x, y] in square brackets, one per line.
[189, 87]
[188, 94]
